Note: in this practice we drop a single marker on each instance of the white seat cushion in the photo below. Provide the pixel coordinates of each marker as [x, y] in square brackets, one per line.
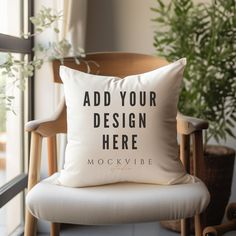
[115, 203]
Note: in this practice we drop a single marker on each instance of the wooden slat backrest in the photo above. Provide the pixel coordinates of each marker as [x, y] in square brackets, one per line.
[118, 64]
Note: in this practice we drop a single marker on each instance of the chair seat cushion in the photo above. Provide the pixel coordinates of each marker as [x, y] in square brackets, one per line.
[115, 203]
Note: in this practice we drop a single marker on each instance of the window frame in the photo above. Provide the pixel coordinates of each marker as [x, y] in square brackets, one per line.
[13, 44]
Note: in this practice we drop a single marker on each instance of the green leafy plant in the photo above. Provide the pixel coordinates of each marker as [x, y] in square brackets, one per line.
[206, 35]
[18, 70]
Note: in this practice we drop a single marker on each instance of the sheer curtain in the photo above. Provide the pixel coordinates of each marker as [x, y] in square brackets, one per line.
[72, 28]
[74, 24]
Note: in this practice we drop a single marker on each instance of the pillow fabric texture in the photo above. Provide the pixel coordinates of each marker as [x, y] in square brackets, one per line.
[122, 130]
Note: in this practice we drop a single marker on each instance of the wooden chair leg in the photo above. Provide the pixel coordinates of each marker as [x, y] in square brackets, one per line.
[198, 156]
[52, 168]
[55, 229]
[30, 224]
[199, 171]
[198, 225]
[33, 177]
[52, 155]
[185, 151]
[185, 227]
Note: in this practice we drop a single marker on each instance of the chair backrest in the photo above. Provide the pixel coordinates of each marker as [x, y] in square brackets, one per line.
[118, 64]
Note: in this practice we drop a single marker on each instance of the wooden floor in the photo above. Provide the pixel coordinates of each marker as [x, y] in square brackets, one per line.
[144, 229]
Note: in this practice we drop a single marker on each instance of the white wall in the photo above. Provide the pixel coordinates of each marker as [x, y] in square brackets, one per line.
[120, 25]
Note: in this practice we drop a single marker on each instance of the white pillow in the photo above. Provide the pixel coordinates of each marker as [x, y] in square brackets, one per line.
[122, 129]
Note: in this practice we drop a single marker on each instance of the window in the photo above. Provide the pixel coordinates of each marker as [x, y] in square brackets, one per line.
[13, 140]
[8, 25]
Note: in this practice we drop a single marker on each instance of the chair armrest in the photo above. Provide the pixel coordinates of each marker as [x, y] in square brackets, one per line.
[221, 229]
[44, 127]
[51, 126]
[188, 125]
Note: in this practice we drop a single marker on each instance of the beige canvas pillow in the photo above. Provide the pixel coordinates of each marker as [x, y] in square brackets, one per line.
[122, 129]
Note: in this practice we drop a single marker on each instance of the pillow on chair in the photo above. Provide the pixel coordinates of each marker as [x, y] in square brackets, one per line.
[122, 130]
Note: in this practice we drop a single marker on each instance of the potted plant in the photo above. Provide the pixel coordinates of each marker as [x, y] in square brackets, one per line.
[206, 35]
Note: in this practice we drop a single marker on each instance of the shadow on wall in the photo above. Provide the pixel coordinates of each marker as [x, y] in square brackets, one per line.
[101, 26]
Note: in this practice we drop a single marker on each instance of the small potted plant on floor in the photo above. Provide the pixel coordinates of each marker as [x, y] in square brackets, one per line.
[206, 35]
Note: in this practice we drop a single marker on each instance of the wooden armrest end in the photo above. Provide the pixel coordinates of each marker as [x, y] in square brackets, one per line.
[43, 127]
[219, 230]
[187, 125]
[51, 126]
[32, 125]
[47, 127]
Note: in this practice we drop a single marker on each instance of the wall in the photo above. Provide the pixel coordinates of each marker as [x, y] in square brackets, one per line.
[123, 25]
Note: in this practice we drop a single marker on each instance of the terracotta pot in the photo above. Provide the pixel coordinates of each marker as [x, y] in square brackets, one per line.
[219, 162]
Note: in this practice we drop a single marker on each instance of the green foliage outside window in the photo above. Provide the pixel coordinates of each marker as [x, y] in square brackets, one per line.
[19, 71]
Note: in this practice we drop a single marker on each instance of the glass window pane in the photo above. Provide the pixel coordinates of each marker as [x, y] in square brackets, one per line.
[11, 136]
[11, 216]
[10, 12]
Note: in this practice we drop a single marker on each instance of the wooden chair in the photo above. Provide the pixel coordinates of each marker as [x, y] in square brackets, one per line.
[117, 64]
[230, 225]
